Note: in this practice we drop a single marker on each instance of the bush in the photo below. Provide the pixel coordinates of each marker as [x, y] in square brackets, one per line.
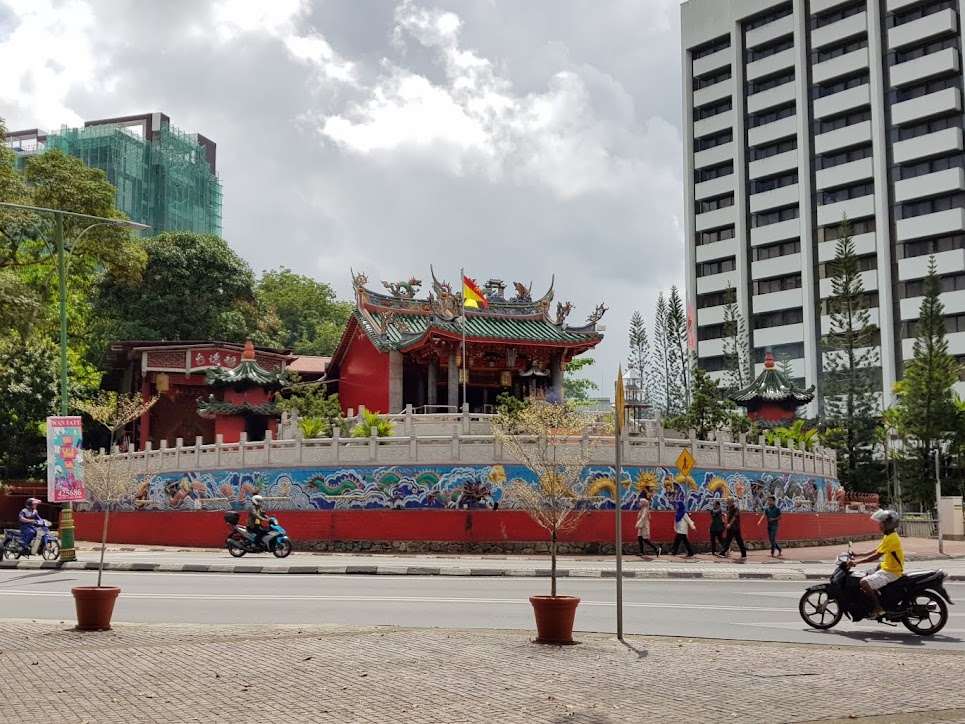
[373, 419]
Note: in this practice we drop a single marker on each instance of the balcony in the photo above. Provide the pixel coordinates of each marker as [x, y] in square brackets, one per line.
[845, 100]
[820, 6]
[771, 31]
[868, 278]
[933, 104]
[930, 184]
[784, 196]
[842, 65]
[776, 301]
[710, 315]
[956, 346]
[710, 347]
[873, 314]
[846, 137]
[846, 28]
[770, 64]
[920, 227]
[775, 164]
[716, 282]
[715, 61]
[715, 155]
[931, 144]
[772, 97]
[772, 233]
[762, 135]
[715, 218]
[713, 93]
[773, 336]
[894, 5]
[852, 208]
[916, 267]
[716, 250]
[863, 244]
[714, 124]
[954, 304]
[715, 187]
[913, 71]
[843, 174]
[944, 22]
[778, 266]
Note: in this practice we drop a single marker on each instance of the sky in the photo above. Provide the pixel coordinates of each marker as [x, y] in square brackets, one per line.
[517, 140]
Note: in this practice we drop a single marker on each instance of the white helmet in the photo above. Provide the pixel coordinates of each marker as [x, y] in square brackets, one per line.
[888, 518]
[257, 500]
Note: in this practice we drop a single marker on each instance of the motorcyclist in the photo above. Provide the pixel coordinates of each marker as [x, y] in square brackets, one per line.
[892, 566]
[257, 523]
[29, 520]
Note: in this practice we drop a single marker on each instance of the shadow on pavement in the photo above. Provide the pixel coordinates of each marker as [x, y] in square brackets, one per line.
[641, 653]
[39, 574]
[901, 637]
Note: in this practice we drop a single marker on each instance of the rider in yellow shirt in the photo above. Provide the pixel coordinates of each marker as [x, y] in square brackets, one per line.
[893, 563]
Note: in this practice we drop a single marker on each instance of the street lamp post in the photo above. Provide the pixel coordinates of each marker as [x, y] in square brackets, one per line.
[937, 452]
[67, 550]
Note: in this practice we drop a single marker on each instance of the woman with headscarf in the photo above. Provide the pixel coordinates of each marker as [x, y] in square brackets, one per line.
[643, 524]
[681, 525]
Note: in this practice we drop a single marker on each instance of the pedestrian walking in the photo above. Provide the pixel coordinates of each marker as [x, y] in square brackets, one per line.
[732, 529]
[716, 528]
[681, 525]
[773, 515]
[643, 524]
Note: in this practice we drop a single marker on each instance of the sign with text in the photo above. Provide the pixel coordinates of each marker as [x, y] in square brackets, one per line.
[65, 473]
[685, 462]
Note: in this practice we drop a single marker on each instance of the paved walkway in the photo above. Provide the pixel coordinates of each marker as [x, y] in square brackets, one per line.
[798, 563]
[156, 673]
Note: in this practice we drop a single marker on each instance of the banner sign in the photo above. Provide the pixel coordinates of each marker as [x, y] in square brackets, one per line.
[65, 473]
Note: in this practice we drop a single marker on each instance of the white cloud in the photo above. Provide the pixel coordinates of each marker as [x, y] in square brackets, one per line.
[235, 18]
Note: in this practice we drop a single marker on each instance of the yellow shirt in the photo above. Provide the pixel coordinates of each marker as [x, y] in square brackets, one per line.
[894, 557]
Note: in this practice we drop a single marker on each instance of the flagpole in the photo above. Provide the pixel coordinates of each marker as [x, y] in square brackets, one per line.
[465, 362]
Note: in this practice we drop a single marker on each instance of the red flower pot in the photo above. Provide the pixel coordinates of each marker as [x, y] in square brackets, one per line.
[554, 618]
[95, 605]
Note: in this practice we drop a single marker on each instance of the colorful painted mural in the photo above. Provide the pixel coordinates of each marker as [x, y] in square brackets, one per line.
[441, 487]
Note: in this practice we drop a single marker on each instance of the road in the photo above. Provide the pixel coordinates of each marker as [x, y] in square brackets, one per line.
[741, 610]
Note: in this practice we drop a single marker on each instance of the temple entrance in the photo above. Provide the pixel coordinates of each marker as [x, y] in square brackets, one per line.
[255, 427]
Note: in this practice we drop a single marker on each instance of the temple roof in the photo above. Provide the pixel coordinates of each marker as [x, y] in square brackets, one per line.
[248, 371]
[211, 408]
[400, 321]
[772, 386]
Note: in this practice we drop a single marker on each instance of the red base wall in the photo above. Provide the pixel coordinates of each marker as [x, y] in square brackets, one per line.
[208, 529]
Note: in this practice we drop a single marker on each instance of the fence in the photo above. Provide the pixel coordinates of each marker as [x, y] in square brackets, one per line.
[918, 528]
[15, 500]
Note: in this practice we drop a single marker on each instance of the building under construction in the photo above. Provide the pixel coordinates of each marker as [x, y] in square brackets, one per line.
[164, 178]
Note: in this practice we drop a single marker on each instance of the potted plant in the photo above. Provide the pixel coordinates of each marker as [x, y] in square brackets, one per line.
[538, 435]
[108, 485]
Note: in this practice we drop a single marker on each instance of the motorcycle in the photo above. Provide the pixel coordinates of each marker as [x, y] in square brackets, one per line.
[44, 543]
[240, 540]
[916, 600]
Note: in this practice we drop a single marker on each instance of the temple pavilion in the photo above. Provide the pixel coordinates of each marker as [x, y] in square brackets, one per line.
[772, 399]
[399, 349]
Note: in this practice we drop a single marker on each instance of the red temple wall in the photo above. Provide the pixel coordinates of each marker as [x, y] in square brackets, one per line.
[364, 376]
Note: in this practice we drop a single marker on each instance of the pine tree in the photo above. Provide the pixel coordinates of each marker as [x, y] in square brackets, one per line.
[926, 396]
[639, 359]
[736, 343]
[678, 352]
[660, 378]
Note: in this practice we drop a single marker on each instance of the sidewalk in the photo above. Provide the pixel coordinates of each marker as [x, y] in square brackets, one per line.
[798, 564]
[297, 674]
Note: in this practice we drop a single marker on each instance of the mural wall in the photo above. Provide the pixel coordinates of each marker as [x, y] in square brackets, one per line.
[453, 487]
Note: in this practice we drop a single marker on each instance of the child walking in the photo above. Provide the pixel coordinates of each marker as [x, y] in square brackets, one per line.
[643, 524]
[682, 524]
[716, 528]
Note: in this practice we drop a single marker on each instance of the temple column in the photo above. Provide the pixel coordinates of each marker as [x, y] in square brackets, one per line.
[145, 431]
[395, 382]
[433, 382]
[453, 382]
[556, 375]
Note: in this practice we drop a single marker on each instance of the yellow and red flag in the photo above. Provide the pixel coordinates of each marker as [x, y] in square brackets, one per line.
[471, 296]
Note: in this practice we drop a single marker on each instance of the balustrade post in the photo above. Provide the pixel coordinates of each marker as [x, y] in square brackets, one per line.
[269, 438]
[407, 425]
[160, 455]
[585, 443]
[336, 446]
[454, 447]
[373, 443]
[178, 444]
[465, 418]
[147, 455]
[218, 442]
[198, 442]
[242, 444]
[413, 448]
[661, 447]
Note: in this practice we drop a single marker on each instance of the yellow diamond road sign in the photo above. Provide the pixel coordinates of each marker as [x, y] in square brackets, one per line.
[685, 462]
[620, 399]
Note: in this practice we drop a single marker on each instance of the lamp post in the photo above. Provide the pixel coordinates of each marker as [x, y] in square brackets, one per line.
[940, 450]
[67, 551]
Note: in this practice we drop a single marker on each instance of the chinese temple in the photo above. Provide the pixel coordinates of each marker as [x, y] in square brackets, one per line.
[398, 349]
[772, 399]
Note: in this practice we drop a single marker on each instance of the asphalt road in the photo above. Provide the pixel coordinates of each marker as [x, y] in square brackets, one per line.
[742, 610]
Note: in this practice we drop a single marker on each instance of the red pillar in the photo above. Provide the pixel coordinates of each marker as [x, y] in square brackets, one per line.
[146, 417]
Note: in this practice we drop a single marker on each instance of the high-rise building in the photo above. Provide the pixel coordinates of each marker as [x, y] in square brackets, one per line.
[797, 113]
[164, 178]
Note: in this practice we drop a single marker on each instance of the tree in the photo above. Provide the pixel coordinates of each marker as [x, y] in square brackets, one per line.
[29, 392]
[737, 357]
[639, 358]
[850, 383]
[678, 354]
[577, 389]
[926, 397]
[313, 406]
[662, 350]
[311, 317]
[707, 411]
[194, 287]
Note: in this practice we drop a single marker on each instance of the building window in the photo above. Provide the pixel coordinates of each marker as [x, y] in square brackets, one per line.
[930, 206]
[871, 300]
[713, 109]
[778, 319]
[712, 172]
[923, 89]
[842, 84]
[916, 288]
[766, 51]
[924, 128]
[835, 51]
[918, 12]
[711, 331]
[831, 160]
[864, 263]
[711, 299]
[712, 364]
[716, 267]
[777, 284]
[772, 251]
[932, 165]
[840, 13]
[794, 350]
[709, 48]
[712, 79]
[953, 323]
[775, 216]
[927, 247]
[773, 149]
[774, 114]
[709, 237]
[832, 232]
[718, 139]
[761, 185]
[759, 86]
[844, 193]
[903, 55]
[769, 17]
[833, 123]
[720, 202]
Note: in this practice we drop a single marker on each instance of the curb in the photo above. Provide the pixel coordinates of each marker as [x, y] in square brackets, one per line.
[350, 570]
